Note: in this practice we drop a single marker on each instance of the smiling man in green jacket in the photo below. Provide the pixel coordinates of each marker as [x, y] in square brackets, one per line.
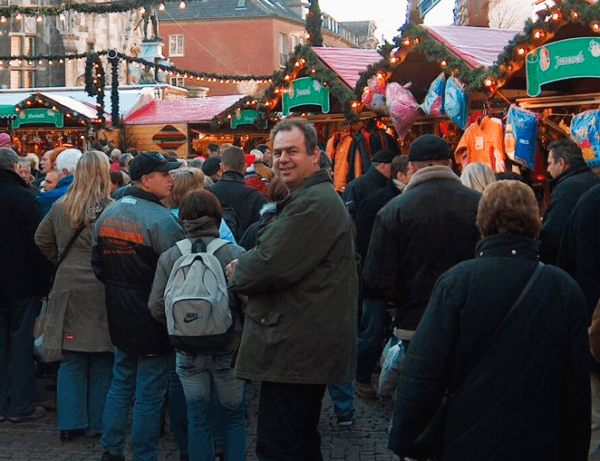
[301, 281]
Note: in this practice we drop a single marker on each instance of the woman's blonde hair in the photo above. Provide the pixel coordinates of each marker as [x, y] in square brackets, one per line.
[477, 176]
[90, 191]
[508, 207]
[184, 180]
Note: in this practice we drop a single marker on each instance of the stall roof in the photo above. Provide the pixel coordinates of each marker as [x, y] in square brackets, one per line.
[129, 98]
[192, 110]
[348, 63]
[72, 104]
[478, 46]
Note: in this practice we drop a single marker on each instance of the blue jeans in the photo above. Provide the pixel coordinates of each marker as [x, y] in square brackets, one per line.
[216, 403]
[83, 382]
[146, 379]
[371, 333]
[342, 396]
[17, 385]
[178, 410]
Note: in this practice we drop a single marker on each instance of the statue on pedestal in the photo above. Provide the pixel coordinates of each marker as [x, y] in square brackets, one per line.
[150, 16]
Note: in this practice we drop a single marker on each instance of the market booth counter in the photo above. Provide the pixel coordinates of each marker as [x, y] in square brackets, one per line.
[44, 121]
[176, 125]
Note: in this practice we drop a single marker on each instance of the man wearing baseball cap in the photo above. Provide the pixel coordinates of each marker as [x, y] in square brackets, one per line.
[128, 238]
[420, 234]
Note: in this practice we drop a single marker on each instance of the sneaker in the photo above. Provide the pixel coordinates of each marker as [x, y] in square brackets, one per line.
[2, 419]
[366, 391]
[108, 456]
[345, 421]
[37, 413]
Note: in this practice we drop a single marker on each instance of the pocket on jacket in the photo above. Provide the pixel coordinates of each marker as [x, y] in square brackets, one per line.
[265, 318]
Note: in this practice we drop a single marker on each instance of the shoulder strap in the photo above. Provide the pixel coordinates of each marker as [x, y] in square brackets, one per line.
[69, 244]
[535, 274]
[185, 246]
[215, 244]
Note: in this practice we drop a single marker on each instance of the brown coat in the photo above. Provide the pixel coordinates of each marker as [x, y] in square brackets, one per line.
[594, 332]
[85, 325]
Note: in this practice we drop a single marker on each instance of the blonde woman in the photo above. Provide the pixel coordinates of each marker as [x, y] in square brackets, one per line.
[477, 176]
[86, 367]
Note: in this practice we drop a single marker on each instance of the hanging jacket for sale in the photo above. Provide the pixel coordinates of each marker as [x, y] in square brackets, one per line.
[482, 142]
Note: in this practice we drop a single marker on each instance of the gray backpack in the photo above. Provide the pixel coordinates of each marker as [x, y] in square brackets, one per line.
[199, 319]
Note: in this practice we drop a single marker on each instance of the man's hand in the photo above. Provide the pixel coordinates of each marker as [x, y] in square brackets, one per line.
[230, 269]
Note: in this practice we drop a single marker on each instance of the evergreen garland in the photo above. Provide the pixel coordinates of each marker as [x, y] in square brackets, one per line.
[95, 81]
[97, 8]
[314, 22]
[115, 92]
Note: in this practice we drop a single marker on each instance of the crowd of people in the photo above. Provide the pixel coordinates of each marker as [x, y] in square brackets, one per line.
[482, 302]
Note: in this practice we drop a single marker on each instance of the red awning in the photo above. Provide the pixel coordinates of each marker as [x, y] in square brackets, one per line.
[477, 46]
[191, 110]
[348, 63]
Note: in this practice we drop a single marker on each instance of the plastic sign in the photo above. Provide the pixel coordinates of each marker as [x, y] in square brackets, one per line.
[244, 117]
[571, 58]
[305, 91]
[37, 116]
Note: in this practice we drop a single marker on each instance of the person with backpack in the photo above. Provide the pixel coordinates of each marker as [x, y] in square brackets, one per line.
[204, 322]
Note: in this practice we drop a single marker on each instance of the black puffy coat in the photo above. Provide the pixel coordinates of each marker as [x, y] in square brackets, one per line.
[418, 236]
[567, 189]
[579, 252]
[25, 271]
[528, 397]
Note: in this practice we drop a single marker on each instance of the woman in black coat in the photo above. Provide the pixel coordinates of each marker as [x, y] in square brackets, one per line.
[526, 396]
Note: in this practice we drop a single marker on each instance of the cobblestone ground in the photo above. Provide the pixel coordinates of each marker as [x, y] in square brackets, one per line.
[365, 441]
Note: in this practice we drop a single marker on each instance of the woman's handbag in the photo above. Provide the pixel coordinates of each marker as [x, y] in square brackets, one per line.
[48, 327]
[429, 443]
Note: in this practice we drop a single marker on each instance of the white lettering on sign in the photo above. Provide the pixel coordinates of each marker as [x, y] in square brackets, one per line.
[36, 115]
[568, 60]
[303, 92]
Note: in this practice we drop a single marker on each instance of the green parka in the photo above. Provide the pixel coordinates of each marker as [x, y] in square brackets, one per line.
[302, 288]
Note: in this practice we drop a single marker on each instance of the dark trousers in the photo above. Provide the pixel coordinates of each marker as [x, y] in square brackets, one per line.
[288, 415]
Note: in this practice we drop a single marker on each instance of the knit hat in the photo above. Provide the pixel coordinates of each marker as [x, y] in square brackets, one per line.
[383, 156]
[429, 147]
[211, 165]
[5, 140]
[148, 162]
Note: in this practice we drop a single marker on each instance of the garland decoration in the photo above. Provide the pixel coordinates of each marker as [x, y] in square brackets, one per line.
[95, 81]
[247, 102]
[314, 23]
[97, 8]
[114, 95]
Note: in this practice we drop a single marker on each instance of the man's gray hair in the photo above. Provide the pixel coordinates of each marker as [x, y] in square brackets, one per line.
[8, 159]
[67, 160]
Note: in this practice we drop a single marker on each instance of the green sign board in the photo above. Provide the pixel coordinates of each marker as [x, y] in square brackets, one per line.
[243, 117]
[571, 58]
[7, 112]
[306, 91]
[30, 116]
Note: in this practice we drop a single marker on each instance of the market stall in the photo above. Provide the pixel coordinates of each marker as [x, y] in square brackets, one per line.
[44, 121]
[181, 126]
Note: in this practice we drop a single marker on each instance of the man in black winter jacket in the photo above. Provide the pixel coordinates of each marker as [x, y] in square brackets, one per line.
[25, 279]
[420, 234]
[571, 178]
[241, 203]
[376, 177]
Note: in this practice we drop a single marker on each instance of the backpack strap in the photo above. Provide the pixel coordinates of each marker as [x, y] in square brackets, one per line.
[185, 246]
[215, 244]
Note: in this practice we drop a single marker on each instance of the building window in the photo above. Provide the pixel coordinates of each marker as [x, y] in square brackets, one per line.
[178, 81]
[176, 45]
[294, 42]
[21, 78]
[241, 4]
[283, 50]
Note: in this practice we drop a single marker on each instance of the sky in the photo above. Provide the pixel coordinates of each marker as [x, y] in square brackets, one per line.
[389, 15]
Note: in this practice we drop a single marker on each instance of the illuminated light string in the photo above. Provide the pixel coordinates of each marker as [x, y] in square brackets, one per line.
[96, 8]
[173, 71]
